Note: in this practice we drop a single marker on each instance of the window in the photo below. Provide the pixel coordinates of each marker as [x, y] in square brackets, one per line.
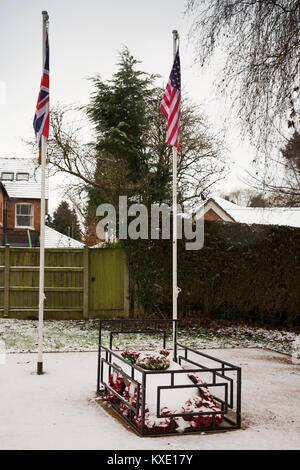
[24, 215]
[7, 176]
[22, 177]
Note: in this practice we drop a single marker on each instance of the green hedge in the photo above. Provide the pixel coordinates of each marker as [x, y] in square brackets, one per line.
[243, 273]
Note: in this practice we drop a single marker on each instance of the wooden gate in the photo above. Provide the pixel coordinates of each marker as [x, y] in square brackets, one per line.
[108, 283]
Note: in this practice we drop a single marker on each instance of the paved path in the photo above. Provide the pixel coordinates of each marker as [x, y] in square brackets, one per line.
[57, 411]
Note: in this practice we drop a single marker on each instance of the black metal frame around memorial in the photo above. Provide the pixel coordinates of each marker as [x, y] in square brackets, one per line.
[230, 406]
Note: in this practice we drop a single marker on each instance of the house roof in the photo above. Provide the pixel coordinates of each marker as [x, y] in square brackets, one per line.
[23, 189]
[256, 215]
[54, 239]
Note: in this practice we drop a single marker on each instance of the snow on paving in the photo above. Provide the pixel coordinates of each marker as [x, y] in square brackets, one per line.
[59, 410]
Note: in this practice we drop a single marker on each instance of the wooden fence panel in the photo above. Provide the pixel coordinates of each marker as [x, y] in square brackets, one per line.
[79, 283]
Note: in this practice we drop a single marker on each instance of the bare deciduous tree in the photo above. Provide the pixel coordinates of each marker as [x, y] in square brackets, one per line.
[247, 198]
[200, 164]
[281, 181]
[260, 42]
[66, 152]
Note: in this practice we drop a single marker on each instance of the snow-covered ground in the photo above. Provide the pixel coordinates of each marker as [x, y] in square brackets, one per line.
[58, 410]
[68, 335]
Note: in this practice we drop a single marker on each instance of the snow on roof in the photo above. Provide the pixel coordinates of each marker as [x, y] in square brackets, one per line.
[258, 215]
[54, 239]
[30, 189]
[226, 205]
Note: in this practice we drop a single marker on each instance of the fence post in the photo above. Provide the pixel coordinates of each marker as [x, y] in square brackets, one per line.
[86, 282]
[6, 280]
[126, 289]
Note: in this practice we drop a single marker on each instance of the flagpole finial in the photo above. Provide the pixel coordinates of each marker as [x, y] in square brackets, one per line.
[175, 41]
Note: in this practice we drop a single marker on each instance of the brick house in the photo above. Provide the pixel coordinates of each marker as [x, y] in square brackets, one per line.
[20, 205]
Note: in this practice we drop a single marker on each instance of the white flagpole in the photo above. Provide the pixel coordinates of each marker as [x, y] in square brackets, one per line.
[42, 226]
[174, 198]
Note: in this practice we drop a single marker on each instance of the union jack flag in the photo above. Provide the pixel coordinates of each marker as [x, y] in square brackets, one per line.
[170, 105]
[41, 117]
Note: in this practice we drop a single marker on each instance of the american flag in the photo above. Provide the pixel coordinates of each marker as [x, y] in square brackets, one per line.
[41, 117]
[170, 105]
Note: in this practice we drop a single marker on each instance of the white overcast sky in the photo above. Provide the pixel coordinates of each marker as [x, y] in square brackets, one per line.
[85, 37]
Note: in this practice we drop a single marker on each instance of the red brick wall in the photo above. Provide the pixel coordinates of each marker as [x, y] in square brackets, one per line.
[90, 237]
[11, 205]
[211, 215]
[1, 207]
